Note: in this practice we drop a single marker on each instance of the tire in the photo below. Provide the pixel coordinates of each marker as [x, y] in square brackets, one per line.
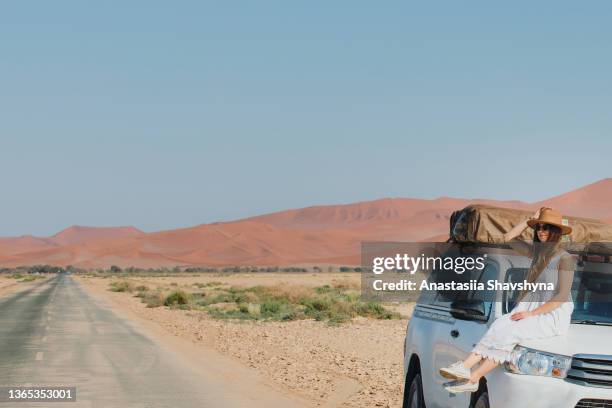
[414, 397]
[482, 401]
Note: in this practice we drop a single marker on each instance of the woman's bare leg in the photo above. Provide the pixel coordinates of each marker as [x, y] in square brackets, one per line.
[486, 366]
[471, 360]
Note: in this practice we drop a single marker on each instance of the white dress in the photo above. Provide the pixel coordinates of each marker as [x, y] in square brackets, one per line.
[504, 334]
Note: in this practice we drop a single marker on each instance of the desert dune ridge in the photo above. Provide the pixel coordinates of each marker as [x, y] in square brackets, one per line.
[324, 234]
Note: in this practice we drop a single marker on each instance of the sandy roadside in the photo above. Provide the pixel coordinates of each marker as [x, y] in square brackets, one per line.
[9, 286]
[358, 364]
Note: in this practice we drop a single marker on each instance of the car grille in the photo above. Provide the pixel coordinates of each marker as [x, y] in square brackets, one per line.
[591, 370]
[594, 403]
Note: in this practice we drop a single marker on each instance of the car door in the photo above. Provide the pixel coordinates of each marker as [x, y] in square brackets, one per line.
[456, 339]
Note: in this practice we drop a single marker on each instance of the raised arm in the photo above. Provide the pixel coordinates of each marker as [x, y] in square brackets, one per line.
[519, 228]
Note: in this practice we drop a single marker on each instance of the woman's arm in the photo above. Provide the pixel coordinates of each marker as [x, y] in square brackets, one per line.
[566, 278]
[520, 247]
[519, 228]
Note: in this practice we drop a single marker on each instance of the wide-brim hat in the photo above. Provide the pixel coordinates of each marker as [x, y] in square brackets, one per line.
[552, 217]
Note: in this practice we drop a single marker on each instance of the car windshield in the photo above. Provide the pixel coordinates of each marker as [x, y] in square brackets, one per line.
[592, 295]
[591, 290]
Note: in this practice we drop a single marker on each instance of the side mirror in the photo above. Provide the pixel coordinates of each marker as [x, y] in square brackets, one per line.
[468, 310]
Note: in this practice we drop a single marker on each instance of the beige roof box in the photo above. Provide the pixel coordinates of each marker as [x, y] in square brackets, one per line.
[487, 224]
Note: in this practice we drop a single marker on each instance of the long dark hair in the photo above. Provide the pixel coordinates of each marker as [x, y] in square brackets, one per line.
[542, 253]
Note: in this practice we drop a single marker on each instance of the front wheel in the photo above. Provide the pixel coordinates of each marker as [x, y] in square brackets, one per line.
[415, 398]
[482, 401]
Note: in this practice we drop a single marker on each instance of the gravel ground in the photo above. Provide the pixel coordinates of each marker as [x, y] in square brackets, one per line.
[357, 364]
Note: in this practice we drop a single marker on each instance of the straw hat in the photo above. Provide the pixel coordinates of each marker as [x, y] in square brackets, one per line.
[552, 217]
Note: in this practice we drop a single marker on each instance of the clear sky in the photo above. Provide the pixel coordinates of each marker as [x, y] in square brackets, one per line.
[168, 114]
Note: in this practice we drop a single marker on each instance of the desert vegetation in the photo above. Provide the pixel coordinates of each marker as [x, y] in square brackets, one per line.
[38, 269]
[308, 332]
[190, 270]
[24, 276]
[117, 271]
[334, 304]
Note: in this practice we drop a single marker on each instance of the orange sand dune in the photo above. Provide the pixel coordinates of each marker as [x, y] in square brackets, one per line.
[25, 243]
[593, 200]
[79, 235]
[327, 234]
[72, 235]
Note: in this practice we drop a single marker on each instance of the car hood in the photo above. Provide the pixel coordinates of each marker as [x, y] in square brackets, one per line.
[580, 339]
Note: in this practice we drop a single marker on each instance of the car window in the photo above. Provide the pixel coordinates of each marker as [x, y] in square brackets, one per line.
[591, 294]
[513, 275]
[444, 298]
[490, 272]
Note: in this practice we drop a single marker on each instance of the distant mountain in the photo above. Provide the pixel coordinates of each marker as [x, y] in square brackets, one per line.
[593, 200]
[326, 234]
[80, 235]
[70, 236]
[25, 243]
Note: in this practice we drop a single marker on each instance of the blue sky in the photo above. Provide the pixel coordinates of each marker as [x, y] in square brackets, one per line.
[162, 115]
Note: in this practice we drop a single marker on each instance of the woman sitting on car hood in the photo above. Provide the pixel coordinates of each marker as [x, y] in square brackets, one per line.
[537, 315]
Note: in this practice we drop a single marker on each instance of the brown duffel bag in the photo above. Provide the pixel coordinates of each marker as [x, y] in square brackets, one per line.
[484, 223]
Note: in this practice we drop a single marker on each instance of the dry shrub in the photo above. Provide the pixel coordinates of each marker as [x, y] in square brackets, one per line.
[292, 293]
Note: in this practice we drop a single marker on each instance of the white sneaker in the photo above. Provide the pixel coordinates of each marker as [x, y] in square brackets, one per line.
[461, 386]
[456, 371]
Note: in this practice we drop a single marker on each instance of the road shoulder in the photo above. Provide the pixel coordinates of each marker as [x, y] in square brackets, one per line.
[197, 356]
[9, 286]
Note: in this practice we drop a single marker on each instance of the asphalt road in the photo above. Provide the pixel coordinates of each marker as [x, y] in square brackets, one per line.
[55, 334]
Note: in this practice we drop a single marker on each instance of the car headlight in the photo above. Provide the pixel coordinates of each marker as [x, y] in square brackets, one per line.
[528, 361]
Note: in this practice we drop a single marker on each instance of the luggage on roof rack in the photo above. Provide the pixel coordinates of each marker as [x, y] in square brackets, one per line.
[488, 224]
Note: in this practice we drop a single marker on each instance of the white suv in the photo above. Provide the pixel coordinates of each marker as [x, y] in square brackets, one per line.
[443, 330]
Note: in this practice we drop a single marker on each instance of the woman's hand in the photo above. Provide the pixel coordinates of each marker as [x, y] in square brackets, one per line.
[521, 315]
[519, 228]
[536, 214]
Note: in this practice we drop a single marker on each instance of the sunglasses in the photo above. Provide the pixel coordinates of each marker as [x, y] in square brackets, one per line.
[542, 227]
